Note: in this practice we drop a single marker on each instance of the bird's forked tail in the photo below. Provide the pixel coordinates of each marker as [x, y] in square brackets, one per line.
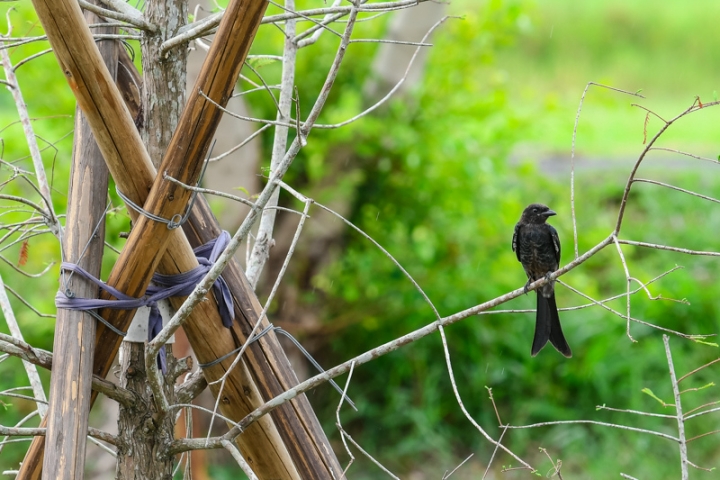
[547, 327]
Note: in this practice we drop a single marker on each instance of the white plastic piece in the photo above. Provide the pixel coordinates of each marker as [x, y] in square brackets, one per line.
[138, 331]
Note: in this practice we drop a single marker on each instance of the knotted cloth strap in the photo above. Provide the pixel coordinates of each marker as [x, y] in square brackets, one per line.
[165, 286]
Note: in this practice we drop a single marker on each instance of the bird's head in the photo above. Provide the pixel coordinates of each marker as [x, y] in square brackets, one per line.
[537, 213]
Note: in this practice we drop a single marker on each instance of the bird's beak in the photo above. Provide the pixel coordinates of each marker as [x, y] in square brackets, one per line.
[549, 213]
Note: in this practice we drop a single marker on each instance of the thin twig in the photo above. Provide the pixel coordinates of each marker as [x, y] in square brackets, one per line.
[44, 188]
[233, 449]
[636, 166]
[237, 147]
[628, 281]
[698, 369]
[641, 322]
[492, 457]
[572, 154]
[636, 412]
[669, 248]
[338, 424]
[678, 410]
[123, 12]
[673, 187]
[316, 30]
[594, 422]
[30, 369]
[261, 249]
[447, 475]
[687, 154]
[477, 426]
[206, 25]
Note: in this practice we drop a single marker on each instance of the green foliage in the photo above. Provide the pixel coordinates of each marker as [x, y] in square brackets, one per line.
[432, 181]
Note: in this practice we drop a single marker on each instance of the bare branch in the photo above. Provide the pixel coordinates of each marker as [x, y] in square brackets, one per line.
[691, 155]
[650, 144]
[237, 147]
[641, 322]
[678, 411]
[40, 432]
[48, 212]
[30, 369]
[193, 386]
[232, 448]
[206, 25]
[316, 30]
[628, 281]
[447, 475]
[123, 12]
[672, 249]
[346, 436]
[593, 422]
[673, 187]
[261, 250]
[477, 426]
[42, 358]
[646, 414]
[697, 370]
[572, 154]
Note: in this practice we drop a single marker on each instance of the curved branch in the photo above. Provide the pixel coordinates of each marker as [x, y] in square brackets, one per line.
[650, 145]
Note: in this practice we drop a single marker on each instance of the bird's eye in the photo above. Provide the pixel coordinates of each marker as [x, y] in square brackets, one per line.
[535, 210]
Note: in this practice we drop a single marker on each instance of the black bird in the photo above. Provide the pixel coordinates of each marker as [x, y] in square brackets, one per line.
[537, 247]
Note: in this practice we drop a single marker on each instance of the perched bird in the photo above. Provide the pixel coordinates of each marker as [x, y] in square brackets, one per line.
[537, 247]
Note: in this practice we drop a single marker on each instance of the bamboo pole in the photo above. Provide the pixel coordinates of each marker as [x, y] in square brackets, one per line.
[70, 384]
[133, 171]
[266, 359]
[130, 165]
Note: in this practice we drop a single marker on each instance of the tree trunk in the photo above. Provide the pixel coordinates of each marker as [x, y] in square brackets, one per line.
[141, 438]
[163, 92]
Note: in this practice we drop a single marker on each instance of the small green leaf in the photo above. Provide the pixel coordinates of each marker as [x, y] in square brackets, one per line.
[243, 189]
[649, 392]
[257, 61]
[700, 339]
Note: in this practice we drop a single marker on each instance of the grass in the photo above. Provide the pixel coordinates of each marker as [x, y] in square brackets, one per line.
[667, 51]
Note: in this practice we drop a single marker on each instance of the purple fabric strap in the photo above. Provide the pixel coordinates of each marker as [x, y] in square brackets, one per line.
[164, 286]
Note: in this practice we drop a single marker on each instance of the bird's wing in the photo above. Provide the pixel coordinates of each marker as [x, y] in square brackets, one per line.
[516, 233]
[556, 243]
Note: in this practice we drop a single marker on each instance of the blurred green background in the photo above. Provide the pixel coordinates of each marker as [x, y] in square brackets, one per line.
[439, 178]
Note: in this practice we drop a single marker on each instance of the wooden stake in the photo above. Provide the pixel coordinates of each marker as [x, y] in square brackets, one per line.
[74, 342]
[133, 172]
